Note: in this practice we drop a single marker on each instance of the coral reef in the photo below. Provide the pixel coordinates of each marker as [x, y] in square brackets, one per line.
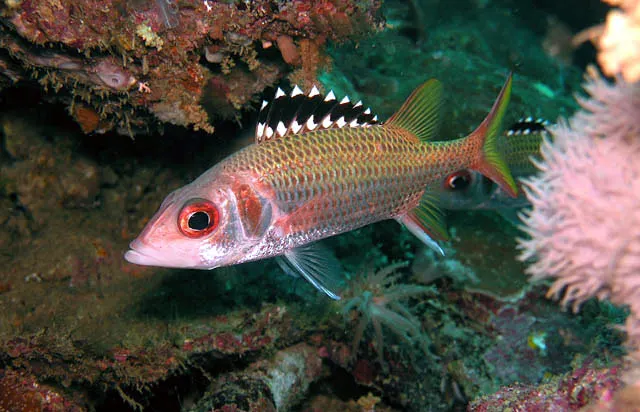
[22, 392]
[131, 65]
[365, 403]
[85, 330]
[584, 385]
[39, 173]
[274, 384]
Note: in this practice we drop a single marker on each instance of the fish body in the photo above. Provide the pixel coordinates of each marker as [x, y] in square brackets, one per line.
[312, 176]
[469, 190]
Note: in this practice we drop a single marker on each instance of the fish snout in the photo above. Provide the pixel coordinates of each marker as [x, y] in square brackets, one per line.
[163, 254]
[136, 253]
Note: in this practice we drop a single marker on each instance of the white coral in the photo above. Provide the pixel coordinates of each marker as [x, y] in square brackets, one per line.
[584, 224]
[619, 45]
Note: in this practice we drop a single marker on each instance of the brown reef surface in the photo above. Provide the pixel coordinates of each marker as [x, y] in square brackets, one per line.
[130, 66]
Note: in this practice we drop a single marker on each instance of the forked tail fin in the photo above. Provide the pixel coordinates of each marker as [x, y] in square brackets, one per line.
[420, 116]
[491, 162]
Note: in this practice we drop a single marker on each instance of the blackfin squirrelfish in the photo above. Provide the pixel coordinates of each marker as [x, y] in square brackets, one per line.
[469, 190]
[320, 167]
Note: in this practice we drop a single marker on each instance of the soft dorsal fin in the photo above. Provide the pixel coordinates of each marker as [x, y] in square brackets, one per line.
[420, 113]
[298, 113]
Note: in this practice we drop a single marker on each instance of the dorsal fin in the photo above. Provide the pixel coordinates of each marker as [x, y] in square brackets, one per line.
[420, 113]
[527, 125]
[298, 113]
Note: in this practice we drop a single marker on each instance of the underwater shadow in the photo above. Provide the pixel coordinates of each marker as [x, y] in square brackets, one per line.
[193, 294]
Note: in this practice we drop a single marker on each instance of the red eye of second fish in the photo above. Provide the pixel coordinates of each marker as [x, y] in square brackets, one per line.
[458, 181]
[198, 218]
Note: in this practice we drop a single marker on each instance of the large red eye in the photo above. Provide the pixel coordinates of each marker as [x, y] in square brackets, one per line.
[198, 218]
[458, 181]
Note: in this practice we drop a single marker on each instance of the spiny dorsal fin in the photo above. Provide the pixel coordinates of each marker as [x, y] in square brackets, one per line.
[420, 113]
[298, 113]
[527, 125]
[522, 144]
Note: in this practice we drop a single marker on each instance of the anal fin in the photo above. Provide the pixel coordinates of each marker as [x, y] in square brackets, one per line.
[426, 222]
[316, 264]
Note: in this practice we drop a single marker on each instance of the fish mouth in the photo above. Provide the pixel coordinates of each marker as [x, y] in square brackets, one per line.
[141, 254]
[136, 255]
[137, 258]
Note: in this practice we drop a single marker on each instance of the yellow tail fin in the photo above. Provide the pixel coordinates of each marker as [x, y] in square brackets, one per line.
[491, 162]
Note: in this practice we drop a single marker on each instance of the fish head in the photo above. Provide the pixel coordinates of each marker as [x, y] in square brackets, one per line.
[469, 190]
[203, 226]
[464, 189]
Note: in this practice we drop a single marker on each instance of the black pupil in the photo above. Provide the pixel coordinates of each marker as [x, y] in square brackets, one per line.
[199, 221]
[460, 182]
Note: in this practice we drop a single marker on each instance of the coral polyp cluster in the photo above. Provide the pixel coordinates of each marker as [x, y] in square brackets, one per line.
[379, 300]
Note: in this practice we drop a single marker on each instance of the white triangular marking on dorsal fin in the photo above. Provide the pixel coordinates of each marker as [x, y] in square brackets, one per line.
[368, 111]
[264, 104]
[354, 123]
[528, 119]
[375, 118]
[260, 130]
[341, 122]
[314, 91]
[281, 128]
[358, 104]
[526, 132]
[280, 93]
[269, 132]
[344, 100]
[295, 126]
[330, 96]
[310, 124]
[326, 122]
[510, 133]
[296, 91]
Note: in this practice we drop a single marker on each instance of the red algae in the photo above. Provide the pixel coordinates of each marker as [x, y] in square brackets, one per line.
[584, 385]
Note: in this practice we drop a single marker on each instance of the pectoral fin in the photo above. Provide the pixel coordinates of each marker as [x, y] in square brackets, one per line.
[316, 264]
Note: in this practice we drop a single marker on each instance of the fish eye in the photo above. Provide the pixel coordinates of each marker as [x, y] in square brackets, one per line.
[458, 181]
[198, 218]
[198, 221]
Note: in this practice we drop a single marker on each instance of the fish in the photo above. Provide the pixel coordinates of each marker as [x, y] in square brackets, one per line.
[320, 167]
[469, 190]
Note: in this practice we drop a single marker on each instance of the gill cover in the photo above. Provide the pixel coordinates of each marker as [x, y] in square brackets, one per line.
[254, 211]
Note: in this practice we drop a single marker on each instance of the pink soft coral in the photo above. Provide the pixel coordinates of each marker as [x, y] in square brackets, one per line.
[584, 224]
